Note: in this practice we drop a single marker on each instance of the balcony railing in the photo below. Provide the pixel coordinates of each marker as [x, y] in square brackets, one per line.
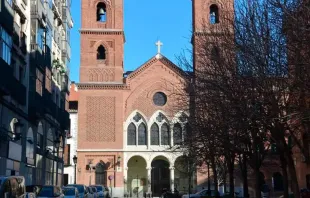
[10, 85]
[23, 43]
[37, 8]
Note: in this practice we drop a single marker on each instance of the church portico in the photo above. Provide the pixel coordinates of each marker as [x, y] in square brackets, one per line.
[151, 172]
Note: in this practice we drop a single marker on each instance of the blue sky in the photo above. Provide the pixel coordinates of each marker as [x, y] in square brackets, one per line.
[145, 21]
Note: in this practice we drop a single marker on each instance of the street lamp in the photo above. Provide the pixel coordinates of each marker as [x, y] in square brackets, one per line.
[75, 162]
[119, 160]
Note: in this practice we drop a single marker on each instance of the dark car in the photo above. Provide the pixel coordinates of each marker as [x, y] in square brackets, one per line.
[33, 189]
[83, 192]
[50, 192]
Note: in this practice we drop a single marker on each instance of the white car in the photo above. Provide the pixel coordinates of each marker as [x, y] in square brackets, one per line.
[202, 193]
[70, 192]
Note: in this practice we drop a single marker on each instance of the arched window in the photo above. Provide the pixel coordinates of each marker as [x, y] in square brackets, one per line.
[101, 174]
[29, 144]
[277, 181]
[154, 134]
[214, 14]
[50, 141]
[131, 134]
[101, 12]
[165, 134]
[101, 53]
[142, 134]
[177, 134]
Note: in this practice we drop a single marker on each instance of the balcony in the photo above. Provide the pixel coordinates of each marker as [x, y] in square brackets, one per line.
[37, 9]
[66, 50]
[16, 34]
[36, 106]
[19, 6]
[23, 43]
[7, 16]
[9, 85]
[37, 55]
[65, 84]
[40, 57]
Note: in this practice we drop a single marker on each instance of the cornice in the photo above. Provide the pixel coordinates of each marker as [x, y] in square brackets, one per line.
[102, 86]
[87, 31]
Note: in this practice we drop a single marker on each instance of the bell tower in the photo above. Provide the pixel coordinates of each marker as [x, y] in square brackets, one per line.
[102, 41]
[210, 18]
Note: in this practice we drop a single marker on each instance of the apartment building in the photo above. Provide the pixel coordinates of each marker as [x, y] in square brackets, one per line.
[34, 59]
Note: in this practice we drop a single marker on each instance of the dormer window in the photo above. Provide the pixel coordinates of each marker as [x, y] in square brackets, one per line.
[101, 12]
[101, 53]
[214, 14]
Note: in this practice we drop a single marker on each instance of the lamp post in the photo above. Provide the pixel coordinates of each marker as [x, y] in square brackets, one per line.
[75, 162]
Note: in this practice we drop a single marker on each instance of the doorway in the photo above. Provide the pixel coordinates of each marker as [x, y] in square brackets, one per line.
[160, 177]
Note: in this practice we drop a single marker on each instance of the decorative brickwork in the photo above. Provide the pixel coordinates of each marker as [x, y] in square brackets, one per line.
[100, 120]
[101, 75]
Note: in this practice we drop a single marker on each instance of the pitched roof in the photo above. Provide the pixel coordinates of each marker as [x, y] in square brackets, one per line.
[164, 60]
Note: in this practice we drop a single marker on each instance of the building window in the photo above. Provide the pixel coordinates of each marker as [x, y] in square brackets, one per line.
[131, 134]
[5, 46]
[160, 99]
[154, 134]
[165, 134]
[101, 53]
[177, 134]
[39, 82]
[142, 137]
[101, 12]
[29, 144]
[21, 74]
[214, 14]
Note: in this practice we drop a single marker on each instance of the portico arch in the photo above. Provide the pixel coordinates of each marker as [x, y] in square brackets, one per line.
[160, 175]
[136, 183]
[182, 173]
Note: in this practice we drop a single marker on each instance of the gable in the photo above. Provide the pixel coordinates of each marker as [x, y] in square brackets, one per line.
[158, 60]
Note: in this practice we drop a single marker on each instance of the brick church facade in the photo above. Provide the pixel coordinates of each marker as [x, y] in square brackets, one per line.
[129, 122]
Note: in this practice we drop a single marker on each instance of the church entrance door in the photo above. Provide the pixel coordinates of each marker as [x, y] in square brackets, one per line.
[160, 177]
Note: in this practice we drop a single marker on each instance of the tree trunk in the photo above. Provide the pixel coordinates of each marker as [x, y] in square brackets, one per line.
[213, 164]
[224, 182]
[231, 177]
[257, 181]
[245, 177]
[292, 171]
[285, 176]
[209, 182]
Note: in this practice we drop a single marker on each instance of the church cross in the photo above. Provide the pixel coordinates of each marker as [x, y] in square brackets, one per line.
[159, 44]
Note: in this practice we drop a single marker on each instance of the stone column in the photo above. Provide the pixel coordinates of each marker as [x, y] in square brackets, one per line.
[172, 178]
[149, 181]
[125, 181]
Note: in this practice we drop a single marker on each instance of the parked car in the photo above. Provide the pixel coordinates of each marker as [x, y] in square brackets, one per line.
[265, 190]
[70, 192]
[94, 191]
[101, 192]
[33, 189]
[50, 192]
[203, 193]
[90, 192]
[305, 193]
[83, 193]
[13, 186]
